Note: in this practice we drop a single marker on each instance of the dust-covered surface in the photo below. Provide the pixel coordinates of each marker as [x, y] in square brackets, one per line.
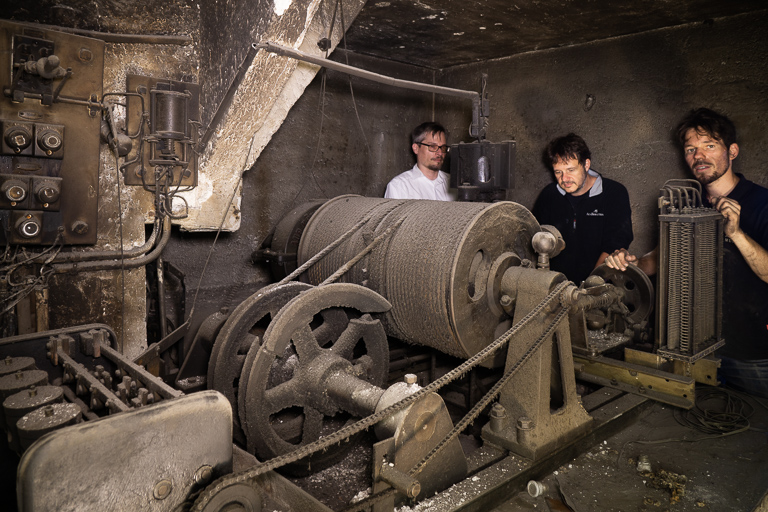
[347, 482]
[603, 341]
[715, 474]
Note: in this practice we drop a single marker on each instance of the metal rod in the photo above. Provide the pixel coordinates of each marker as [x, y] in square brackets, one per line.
[161, 297]
[368, 75]
[120, 38]
[227, 100]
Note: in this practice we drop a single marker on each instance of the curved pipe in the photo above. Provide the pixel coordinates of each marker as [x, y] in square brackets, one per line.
[107, 255]
[92, 266]
[476, 129]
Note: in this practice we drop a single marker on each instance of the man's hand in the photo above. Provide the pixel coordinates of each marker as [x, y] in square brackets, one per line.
[620, 259]
[731, 210]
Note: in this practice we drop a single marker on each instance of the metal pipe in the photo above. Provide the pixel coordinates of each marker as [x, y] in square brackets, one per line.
[106, 255]
[476, 130]
[92, 266]
[120, 38]
[161, 297]
[227, 100]
[361, 73]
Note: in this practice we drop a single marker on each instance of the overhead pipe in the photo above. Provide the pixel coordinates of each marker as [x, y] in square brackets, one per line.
[480, 107]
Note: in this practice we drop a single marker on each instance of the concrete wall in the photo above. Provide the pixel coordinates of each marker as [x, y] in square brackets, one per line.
[642, 85]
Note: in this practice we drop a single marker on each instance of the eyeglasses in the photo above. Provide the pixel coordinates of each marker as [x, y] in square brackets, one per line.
[434, 148]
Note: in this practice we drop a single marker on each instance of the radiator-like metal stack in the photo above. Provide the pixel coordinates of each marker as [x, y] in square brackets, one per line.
[689, 312]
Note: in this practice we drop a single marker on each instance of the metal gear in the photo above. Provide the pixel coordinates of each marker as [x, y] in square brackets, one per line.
[236, 496]
[242, 330]
[323, 331]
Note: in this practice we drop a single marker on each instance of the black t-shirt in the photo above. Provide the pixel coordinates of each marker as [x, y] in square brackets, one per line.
[596, 222]
[745, 296]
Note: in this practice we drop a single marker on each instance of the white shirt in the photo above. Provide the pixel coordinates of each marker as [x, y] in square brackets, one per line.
[412, 184]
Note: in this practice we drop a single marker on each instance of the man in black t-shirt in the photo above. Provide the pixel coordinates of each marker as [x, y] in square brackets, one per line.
[591, 212]
[709, 147]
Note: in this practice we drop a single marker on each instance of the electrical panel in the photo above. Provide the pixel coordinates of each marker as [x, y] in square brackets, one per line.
[50, 122]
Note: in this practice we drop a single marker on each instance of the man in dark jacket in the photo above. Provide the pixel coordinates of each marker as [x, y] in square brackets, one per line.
[591, 212]
[708, 140]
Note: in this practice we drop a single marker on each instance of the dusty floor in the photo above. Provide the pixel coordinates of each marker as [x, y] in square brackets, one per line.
[689, 470]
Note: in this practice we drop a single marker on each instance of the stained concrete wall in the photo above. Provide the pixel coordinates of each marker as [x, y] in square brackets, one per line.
[642, 85]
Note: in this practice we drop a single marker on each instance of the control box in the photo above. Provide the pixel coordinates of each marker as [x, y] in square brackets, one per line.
[49, 135]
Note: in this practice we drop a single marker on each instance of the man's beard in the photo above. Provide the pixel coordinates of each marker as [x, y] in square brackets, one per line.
[434, 167]
[706, 179]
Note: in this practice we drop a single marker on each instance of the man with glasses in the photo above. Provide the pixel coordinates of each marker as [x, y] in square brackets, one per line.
[591, 212]
[425, 180]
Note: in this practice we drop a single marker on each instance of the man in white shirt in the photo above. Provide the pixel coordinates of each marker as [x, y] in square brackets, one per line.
[425, 180]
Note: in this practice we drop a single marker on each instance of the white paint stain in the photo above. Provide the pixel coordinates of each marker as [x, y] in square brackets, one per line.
[458, 33]
[281, 6]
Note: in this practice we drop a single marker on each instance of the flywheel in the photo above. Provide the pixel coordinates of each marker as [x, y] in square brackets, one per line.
[244, 328]
[285, 397]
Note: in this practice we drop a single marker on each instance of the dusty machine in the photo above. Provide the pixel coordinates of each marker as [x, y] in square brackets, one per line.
[427, 341]
[391, 319]
[305, 367]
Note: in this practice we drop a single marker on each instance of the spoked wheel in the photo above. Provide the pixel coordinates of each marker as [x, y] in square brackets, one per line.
[243, 329]
[325, 334]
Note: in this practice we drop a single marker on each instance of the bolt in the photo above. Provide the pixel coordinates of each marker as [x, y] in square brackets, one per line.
[643, 464]
[505, 300]
[48, 410]
[8, 361]
[411, 378]
[162, 489]
[203, 474]
[498, 417]
[536, 489]
[85, 55]
[32, 391]
[524, 423]
[19, 375]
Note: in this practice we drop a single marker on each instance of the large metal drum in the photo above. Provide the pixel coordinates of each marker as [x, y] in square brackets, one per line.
[440, 269]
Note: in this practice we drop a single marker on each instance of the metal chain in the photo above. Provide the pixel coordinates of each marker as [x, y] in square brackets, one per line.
[367, 422]
[475, 411]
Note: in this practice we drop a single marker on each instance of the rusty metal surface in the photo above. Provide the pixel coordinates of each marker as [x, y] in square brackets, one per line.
[637, 290]
[433, 269]
[71, 163]
[244, 328]
[287, 403]
[162, 458]
[540, 401]
[690, 277]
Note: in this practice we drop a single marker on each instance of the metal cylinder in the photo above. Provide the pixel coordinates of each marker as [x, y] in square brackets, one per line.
[437, 269]
[36, 424]
[18, 405]
[170, 114]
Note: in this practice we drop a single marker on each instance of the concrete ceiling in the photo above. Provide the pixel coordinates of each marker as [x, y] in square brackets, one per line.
[442, 33]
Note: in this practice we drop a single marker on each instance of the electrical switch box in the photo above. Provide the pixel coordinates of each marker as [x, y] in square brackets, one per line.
[50, 120]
